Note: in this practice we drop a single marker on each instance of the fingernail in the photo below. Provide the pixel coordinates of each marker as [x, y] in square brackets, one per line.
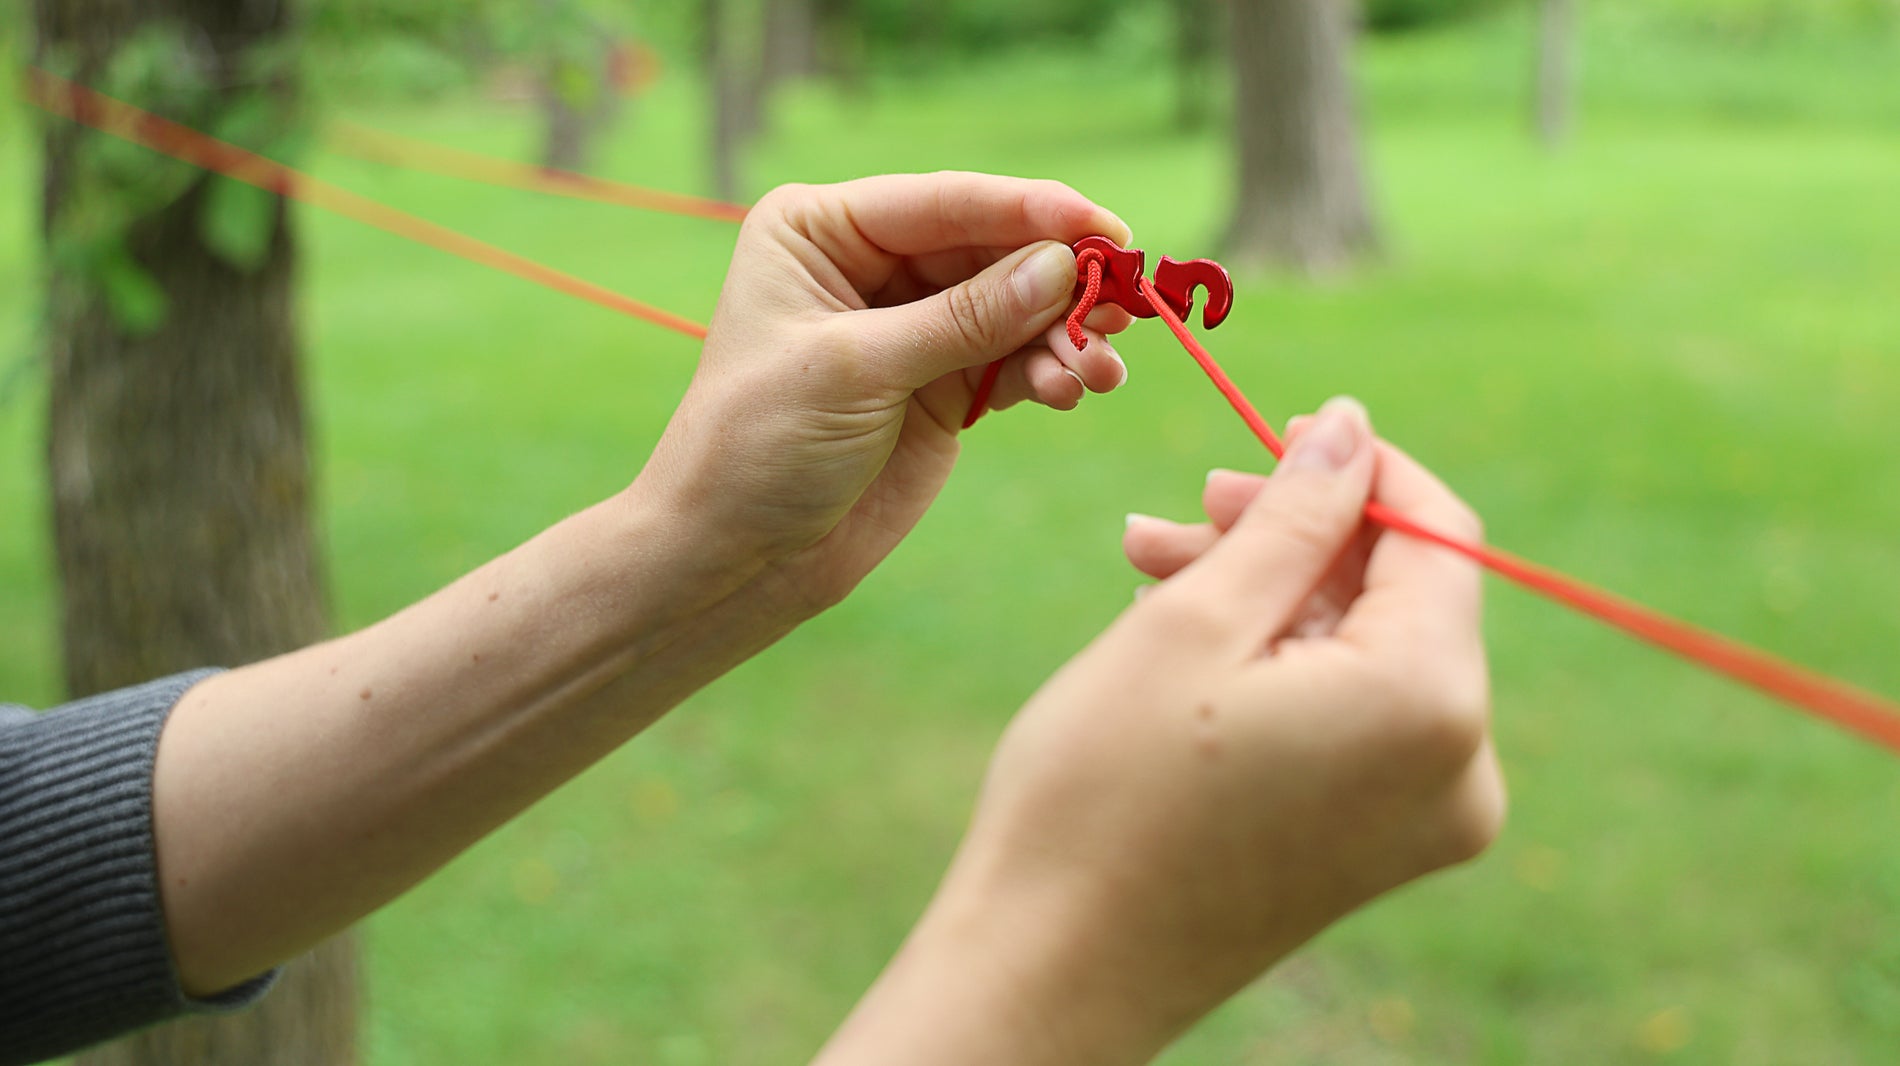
[1046, 278]
[1119, 361]
[1129, 519]
[1332, 438]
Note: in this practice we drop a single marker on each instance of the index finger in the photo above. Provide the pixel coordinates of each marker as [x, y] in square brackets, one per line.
[918, 214]
[1414, 591]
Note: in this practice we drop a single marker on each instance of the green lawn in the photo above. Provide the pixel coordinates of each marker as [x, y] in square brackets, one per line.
[1667, 360]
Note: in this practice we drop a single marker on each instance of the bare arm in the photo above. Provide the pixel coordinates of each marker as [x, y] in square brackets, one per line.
[294, 796]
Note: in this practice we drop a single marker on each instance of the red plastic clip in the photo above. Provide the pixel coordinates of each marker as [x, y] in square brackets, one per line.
[1174, 281]
[1108, 273]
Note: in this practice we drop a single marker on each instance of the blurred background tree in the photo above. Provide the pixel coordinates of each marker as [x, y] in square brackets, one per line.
[1300, 199]
[1555, 91]
[176, 448]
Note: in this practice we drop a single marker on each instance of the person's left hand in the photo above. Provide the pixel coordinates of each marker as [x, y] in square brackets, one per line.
[850, 336]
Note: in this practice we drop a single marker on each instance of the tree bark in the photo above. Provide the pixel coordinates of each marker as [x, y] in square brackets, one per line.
[1555, 108]
[791, 40]
[737, 88]
[178, 467]
[1301, 196]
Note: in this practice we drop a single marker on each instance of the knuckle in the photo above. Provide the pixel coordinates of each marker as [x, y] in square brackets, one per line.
[1438, 715]
[784, 205]
[1176, 608]
[973, 317]
[1473, 827]
[1300, 531]
[1454, 719]
[785, 196]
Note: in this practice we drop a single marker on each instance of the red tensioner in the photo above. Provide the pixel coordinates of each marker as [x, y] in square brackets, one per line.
[1174, 281]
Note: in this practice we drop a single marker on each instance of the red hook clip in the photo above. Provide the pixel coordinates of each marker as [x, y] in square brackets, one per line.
[1174, 282]
[1108, 273]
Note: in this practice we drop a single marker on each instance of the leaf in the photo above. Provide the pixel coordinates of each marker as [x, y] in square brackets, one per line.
[236, 221]
[249, 120]
[136, 301]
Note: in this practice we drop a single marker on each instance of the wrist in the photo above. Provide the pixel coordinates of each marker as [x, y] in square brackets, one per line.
[1011, 976]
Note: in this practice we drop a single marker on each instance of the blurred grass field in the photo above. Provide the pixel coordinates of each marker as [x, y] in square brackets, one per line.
[1667, 360]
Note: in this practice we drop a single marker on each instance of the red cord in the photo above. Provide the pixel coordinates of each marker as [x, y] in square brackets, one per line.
[1851, 708]
[1089, 262]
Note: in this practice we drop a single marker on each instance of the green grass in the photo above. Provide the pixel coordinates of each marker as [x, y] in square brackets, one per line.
[1666, 360]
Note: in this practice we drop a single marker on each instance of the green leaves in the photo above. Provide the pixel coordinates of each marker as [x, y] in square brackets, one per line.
[236, 222]
[136, 302]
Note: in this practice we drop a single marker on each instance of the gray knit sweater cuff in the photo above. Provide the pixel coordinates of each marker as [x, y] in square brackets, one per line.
[83, 954]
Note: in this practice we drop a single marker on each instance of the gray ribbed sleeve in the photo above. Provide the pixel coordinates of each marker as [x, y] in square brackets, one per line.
[83, 955]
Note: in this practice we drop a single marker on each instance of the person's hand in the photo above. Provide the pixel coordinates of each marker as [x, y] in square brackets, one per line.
[1294, 720]
[853, 328]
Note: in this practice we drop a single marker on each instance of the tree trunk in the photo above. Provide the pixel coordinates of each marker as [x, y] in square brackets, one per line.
[841, 48]
[1301, 197]
[737, 89]
[1196, 30]
[177, 462]
[581, 86]
[1555, 108]
[791, 40]
[575, 120]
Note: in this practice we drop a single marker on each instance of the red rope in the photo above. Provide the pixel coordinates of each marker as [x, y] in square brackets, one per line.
[1852, 708]
[1089, 261]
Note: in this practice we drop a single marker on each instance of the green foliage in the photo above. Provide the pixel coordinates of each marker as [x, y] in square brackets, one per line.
[113, 184]
[1392, 16]
[1760, 20]
[976, 28]
[131, 295]
[431, 47]
[236, 221]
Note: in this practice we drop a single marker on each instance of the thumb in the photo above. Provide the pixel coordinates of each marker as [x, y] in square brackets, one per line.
[1262, 572]
[974, 322]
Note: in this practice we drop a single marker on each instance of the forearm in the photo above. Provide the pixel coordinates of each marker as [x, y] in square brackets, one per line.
[296, 795]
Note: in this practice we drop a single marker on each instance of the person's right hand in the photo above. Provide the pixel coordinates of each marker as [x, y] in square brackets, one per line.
[1294, 721]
